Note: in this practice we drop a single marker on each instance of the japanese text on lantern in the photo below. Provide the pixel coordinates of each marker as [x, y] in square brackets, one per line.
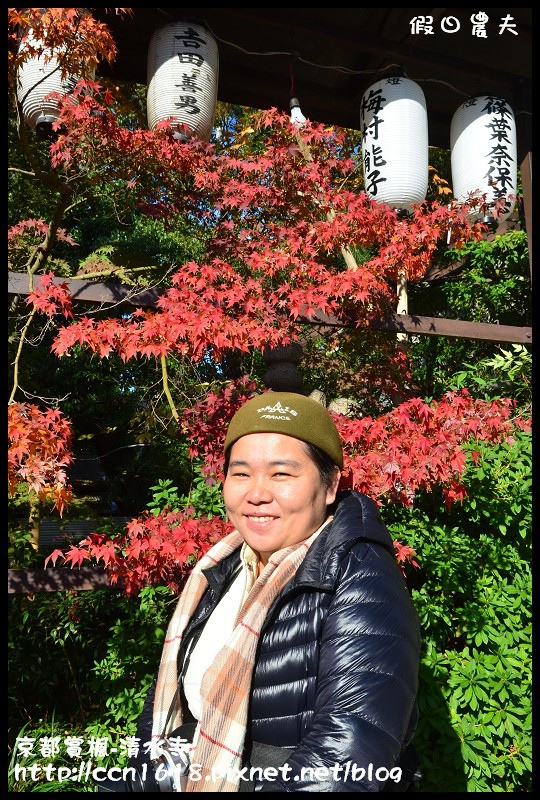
[186, 100]
[499, 158]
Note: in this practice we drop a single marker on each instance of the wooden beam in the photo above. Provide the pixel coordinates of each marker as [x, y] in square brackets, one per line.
[110, 293]
[91, 292]
[58, 579]
[434, 326]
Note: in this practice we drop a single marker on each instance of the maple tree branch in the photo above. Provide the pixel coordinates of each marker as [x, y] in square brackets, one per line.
[38, 258]
[114, 270]
[49, 180]
[166, 389]
[22, 171]
[42, 251]
[33, 519]
[346, 252]
[18, 355]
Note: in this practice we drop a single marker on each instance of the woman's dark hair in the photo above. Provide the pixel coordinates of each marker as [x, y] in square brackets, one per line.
[323, 462]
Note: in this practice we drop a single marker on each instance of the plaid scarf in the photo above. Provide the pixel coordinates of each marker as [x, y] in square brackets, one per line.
[226, 685]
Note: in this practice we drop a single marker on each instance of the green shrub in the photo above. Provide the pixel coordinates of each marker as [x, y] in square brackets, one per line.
[98, 651]
[473, 595]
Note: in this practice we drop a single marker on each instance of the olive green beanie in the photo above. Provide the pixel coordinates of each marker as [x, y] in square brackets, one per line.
[289, 413]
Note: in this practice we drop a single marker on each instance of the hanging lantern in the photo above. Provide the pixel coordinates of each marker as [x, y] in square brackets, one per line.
[484, 155]
[183, 65]
[37, 78]
[394, 127]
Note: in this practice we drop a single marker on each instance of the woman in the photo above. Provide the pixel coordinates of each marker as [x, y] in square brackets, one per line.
[294, 648]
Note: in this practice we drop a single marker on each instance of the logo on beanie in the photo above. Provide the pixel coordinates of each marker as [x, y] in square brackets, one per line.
[276, 412]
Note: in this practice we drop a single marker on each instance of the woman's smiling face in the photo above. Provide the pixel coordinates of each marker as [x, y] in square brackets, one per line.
[273, 492]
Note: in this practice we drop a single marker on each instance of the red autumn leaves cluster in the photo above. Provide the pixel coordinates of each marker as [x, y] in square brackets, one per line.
[415, 447]
[39, 452]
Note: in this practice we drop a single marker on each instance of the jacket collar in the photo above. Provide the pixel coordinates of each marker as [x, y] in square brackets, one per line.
[356, 519]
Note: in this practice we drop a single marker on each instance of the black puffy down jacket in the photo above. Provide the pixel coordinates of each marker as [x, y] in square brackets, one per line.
[336, 673]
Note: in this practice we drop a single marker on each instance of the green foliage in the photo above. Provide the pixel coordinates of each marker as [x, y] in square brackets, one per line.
[21, 554]
[491, 283]
[133, 647]
[508, 372]
[505, 472]
[27, 198]
[164, 495]
[139, 252]
[495, 286]
[473, 595]
[97, 650]
[204, 497]
[344, 365]
[488, 695]
[97, 655]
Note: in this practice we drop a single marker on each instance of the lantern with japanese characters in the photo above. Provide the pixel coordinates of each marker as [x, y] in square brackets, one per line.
[394, 128]
[484, 157]
[183, 68]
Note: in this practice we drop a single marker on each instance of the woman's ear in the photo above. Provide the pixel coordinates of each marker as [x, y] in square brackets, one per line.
[333, 487]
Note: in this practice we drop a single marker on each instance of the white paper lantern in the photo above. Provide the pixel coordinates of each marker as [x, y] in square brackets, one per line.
[395, 147]
[36, 79]
[484, 154]
[39, 76]
[183, 69]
